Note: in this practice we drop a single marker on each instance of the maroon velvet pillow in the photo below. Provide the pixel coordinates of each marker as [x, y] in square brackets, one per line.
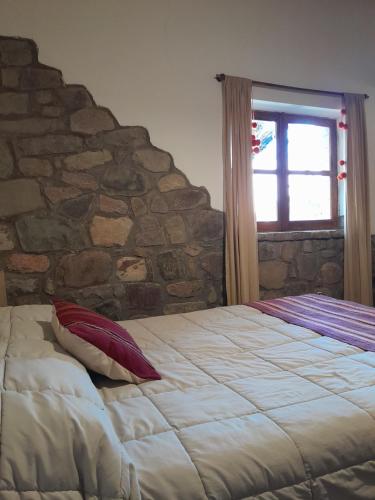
[100, 344]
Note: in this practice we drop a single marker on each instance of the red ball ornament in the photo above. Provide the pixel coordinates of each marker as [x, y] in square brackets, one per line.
[342, 163]
[341, 176]
[253, 137]
[254, 142]
[256, 150]
[257, 142]
[341, 125]
[343, 111]
[346, 126]
[254, 124]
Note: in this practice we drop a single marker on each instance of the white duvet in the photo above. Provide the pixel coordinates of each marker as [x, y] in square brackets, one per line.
[248, 408]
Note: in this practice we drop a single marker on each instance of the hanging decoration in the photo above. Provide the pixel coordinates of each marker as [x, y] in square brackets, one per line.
[344, 126]
[342, 123]
[255, 142]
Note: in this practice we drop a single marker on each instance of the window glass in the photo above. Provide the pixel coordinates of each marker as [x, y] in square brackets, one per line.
[309, 197]
[266, 159]
[265, 194]
[308, 147]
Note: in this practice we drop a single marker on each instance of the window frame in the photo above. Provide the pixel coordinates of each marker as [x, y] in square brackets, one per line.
[283, 223]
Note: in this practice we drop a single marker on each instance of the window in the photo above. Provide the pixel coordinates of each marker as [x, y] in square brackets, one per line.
[295, 185]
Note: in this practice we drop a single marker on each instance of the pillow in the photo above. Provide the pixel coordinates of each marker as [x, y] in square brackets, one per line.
[100, 344]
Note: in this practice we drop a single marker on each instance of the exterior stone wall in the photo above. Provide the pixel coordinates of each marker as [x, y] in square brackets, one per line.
[91, 210]
[301, 262]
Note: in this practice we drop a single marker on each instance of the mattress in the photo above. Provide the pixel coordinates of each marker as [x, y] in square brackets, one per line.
[249, 407]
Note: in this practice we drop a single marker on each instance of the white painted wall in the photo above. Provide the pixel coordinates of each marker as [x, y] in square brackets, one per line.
[152, 62]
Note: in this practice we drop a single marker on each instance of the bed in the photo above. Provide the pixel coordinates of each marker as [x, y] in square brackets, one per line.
[249, 407]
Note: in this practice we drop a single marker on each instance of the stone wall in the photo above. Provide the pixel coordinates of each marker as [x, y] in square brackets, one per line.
[91, 210]
[301, 262]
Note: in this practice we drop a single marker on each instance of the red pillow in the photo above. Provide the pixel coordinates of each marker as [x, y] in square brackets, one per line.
[100, 344]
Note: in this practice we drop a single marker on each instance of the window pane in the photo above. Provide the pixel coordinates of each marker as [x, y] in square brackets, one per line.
[266, 133]
[308, 147]
[309, 197]
[265, 196]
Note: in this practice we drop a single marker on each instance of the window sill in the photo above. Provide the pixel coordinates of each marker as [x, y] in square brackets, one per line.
[325, 234]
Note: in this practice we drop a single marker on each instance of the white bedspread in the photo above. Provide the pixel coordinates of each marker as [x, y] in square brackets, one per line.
[248, 408]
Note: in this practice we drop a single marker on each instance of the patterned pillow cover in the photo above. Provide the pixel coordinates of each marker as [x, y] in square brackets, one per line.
[100, 344]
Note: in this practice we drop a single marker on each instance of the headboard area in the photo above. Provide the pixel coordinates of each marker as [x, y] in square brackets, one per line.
[91, 210]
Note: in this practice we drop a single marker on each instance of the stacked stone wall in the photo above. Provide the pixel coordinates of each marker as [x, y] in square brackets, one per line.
[91, 210]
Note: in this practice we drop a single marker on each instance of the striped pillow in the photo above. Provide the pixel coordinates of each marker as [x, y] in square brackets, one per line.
[100, 344]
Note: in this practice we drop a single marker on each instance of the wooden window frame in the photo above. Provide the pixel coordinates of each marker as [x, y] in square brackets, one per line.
[283, 223]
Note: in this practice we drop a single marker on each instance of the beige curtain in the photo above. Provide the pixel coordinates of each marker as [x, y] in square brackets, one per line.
[241, 250]
[357, 249]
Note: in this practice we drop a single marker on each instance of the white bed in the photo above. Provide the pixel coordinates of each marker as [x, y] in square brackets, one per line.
[248, 407]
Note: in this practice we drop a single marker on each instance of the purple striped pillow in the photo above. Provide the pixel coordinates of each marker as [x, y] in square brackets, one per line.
[100, 344]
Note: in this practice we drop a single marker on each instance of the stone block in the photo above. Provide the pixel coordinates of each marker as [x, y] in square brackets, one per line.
[31, 126]
[124, 137]
[87, 160]
[18, 285]
[91, 120]
[186, 199]
[308, 266]
[158, 204]
[330, 273]
[49, 144]
[212, 295]
[125, 179]
[149, 232]
[139, 207]
[289, 250]
[49, 233]
[77, 208]
[108, 232]
[75, 97]
[80, 180]
[40, 78]
[13, 103]
[17, 52]
[269, 250]
[44, 96]
[143, 296]
[19, 196]
[172, 266]
[207, 225]
[112, 205]
[307, 246]
[56, 194]
[175, 228]
[272, 274]
[6, 160]
[35, 167]
[213, 264]
[52, 111]
[185, 289]
[11, 77]
[171, 182]
[28, 263]
[153, 159]
[6, 238]
[193, 249]
[90, 267]
[131, 269]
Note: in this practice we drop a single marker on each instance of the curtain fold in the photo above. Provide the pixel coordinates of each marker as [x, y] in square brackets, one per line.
[357, 246]
[241, 248]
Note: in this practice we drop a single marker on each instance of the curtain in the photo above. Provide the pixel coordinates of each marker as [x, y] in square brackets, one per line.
[357, 246]
[241, 248]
